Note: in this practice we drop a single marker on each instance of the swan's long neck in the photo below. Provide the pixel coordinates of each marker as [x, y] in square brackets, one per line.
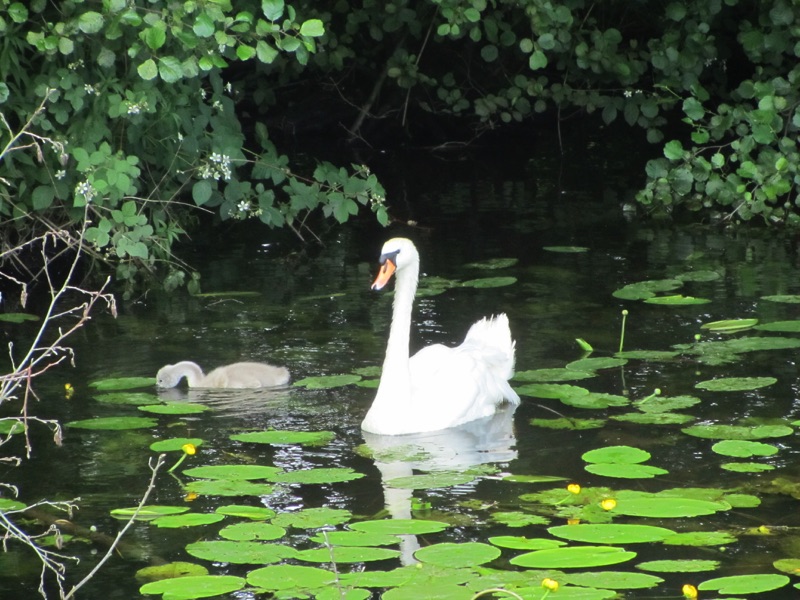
[396, 379]
[192, 372]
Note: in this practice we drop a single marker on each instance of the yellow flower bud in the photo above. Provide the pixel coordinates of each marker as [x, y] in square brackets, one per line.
[689, 591]
[189, 449]
[190, 496]
[608, 504]
[550, 584]
[573, 521]
[574, 488]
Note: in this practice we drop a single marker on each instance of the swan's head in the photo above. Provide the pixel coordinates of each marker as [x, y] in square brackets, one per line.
[396, 255]
[167, 377]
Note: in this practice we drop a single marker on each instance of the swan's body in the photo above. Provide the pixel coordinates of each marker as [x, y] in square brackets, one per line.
[236, 375]
[439, 387]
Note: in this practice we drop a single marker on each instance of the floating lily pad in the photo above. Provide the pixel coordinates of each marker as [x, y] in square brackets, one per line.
[616, 454]
[489, 282]
[735, 384]
[744, 448]
[569, 424]
[552, 375]
[170, 571]
[516, 518]
[665, 507]
[429, 481]
[240, 553]
[130, 398]
[566, 249]
[400, 526]
[518, 542]
[232, 472]
[228, 487]
[278, 438]
[313, 518]
[788, 565]
[613, 580]
[114, 423]
[122, 383]
[653, 355]
[197, 586]
[285, 577]
[355, 538]
[256, 513]
[373, 371]
[738, 432]
[730, 325]
[346, 554]
[700, 276]
[665, 418]
[148, 513]
[646, 289]
[679, 566]
[792, 326]
[17, 317]
[610, 533]
[174, 408]
[596, 364]
[573, 557]
[174, 444]
[187, 520]
[752, 583]
[455, 556]
[594, 400]
[493, 263]
[327, 382]
[551, 390]
[747, 467]
[677, 300]
[662, 404]
[317, 476]
[701, 538]
[625, 471]
[262, 532]
[785, 298]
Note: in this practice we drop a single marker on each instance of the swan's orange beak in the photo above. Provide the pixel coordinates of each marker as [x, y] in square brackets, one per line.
[384, 275]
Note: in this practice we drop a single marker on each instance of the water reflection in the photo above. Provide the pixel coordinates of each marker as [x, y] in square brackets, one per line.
[483, 441]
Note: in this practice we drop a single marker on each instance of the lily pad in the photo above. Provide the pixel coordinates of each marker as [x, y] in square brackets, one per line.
[429, 481]
[677, 300]
[516, 518]
[232, 472]
[665, 418]
[170, 571]
[665, 507]
[148, 513]
[613, 580]
[616, 454]
[187, 520]
[552, 375]
[346, 554]
[735, 384]
[730, 325]
[493, 263]
[174, 408]
[455, 556]
[327, 382]
[610, 533]
[129, 398]
[256, 513]
[114, 423]
[285, 577]
[279, 438]
[355, 538]
[662, 404]
[701, 538]
[228, 487]
[792, 326]
[785, 298]
[518, 542]
[596, 364]
[747, 467]
[679, 566]
[700, 276]
[573, 557]
[745, 584]
[240, 553]
[313, 518]
[317, 476]
[744, 448]
[263, 532]
[653, 355]
[566, 249]
[569, 424]
[400, 526]
[174, 444]
[738, 432]
[625, 471]
[197, 586]
[122, 383]
[489, 282]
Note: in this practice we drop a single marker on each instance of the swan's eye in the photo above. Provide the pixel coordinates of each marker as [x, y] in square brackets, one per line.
[390, 256]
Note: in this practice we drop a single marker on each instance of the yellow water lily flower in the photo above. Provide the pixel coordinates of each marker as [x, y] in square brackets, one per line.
[69, 391]
[608, 504]
[550, 584]
[189, 449]
[689, 591]
[574, 488]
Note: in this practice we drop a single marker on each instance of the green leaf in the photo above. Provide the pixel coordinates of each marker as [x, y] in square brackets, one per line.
[201, 191]
[573, 557]
[489, 53]
[241, 472]
[312, 28]
[400, 526]
[273, 9]
[148, 513]
[320, 475]
[313, 438]
[194, 586]
[610, 533]
[752, 583]
[240, 553]
[537, 60]
[679, 565]
[457, 556]
[114, 423]
[735, 432]
[735, 384]
[346, 554]
[616, 454]
[148, 70]
[288, 577]
[693, 109]
[90, 22]
[156, 36]
[187, 520]
[731, 325]
[673, 150]
[252, 532]
[122, 383]
[204, 25]
[612, 580]
[170, 69]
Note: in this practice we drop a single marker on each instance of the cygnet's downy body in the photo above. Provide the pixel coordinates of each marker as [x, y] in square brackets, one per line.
[241, 375]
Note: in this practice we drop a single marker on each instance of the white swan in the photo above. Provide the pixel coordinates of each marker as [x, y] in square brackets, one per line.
[438, 387]
[235, 375]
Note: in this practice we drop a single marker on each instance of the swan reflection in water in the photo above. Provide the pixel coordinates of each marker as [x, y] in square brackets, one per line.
[483, 441]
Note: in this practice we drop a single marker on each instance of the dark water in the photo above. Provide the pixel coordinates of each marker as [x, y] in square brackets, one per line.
[314, 313]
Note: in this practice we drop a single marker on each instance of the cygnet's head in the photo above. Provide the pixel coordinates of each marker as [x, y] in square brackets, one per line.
[168, 377]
